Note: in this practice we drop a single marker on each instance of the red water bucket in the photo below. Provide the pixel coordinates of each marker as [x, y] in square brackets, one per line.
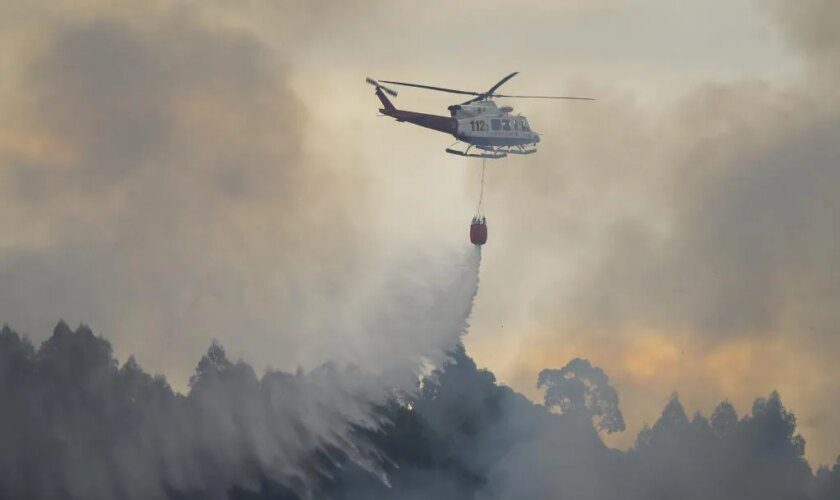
[478, 231]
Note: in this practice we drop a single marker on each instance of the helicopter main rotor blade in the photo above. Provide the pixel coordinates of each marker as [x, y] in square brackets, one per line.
[501, 82]
[545, 97]
[429, 87]
[489, 93]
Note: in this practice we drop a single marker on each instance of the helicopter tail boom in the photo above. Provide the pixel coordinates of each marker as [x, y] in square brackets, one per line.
[435, 122]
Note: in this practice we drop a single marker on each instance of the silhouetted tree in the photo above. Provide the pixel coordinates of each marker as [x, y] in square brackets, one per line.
[74, 424]
[581, 388]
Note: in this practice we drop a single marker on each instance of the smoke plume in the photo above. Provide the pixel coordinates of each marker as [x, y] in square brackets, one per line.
[77, 425]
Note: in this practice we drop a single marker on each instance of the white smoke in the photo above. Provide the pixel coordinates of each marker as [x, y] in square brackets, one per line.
[127, 435]
[413, 315]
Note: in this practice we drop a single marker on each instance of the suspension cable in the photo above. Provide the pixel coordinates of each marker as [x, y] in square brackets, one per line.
[479, 211]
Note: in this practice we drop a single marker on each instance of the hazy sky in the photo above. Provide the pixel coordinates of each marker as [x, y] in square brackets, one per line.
[177, 171]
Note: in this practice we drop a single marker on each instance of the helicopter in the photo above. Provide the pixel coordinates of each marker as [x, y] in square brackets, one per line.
[477, 123]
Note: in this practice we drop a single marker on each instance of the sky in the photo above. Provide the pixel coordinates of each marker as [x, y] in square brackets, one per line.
[173, 172]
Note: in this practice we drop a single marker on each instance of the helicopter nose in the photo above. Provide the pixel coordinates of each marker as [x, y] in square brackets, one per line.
[536, 137]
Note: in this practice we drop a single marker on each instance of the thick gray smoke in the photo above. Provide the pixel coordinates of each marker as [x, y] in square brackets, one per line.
[707, 228]
[157, 154]
[158, 180]
[75, 425]
[159, 157]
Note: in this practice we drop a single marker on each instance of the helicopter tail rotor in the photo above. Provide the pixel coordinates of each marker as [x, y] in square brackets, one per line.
[390, 92]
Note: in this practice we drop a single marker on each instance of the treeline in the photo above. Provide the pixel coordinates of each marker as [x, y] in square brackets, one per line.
[75, 424]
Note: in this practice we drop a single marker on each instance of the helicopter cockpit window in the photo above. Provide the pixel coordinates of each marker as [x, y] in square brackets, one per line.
[496, 124]
[505, 124]
[525, 125]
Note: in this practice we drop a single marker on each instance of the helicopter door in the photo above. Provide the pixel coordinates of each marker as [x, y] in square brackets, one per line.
[499, 127]
[506, 126]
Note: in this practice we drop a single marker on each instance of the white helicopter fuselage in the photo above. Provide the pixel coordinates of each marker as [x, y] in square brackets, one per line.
[483, 123]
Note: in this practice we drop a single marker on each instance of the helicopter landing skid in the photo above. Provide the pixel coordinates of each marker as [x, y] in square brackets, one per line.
[521, 151]
[491, 156]
[510, 150]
